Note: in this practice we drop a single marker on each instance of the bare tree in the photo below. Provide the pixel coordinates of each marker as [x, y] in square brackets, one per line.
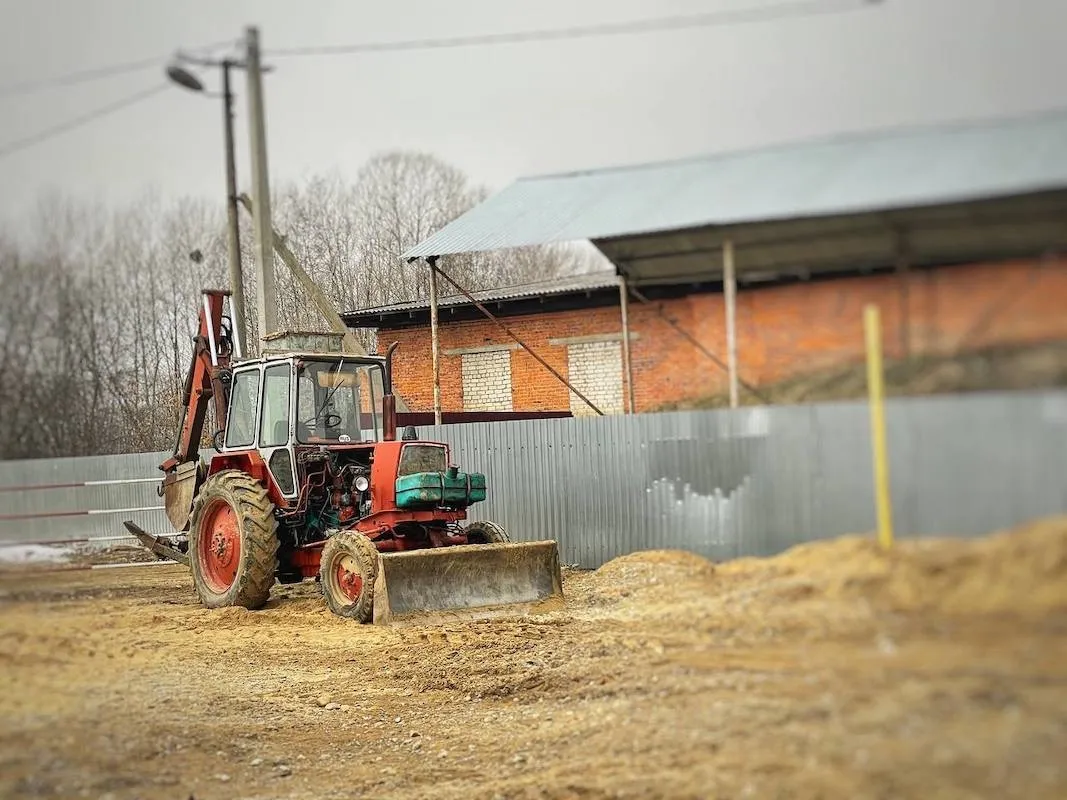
[351, 238]
[99, 307]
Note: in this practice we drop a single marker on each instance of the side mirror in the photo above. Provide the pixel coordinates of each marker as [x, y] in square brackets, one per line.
[410, 434]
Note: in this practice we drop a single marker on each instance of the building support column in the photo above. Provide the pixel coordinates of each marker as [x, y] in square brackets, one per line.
[729, 285]
[435, 344]
[627, 363]
[903, 269]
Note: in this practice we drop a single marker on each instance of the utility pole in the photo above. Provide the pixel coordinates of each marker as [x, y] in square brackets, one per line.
[350, 344]
[237, 285]
[266, 292]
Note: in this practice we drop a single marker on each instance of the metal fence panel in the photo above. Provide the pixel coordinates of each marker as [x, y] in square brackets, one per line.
[38, 472]
[751, 481]
[755, 481]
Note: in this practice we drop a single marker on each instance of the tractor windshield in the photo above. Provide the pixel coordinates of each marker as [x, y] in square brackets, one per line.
[338, 401]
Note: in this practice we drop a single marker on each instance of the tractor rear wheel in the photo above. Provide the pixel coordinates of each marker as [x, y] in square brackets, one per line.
[347, 570]
[485, 533]
[233, 541]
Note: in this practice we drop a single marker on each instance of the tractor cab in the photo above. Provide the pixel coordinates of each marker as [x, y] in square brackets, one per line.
[287, 404]
[306, 400]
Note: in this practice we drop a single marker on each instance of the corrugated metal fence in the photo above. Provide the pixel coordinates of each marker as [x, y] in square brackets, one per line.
[723, 483]
[40, 472]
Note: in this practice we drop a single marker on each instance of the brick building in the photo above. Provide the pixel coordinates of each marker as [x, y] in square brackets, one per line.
[784, 330]
[747, 269]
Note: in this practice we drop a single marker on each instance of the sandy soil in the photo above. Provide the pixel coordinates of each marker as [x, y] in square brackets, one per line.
[830, 671]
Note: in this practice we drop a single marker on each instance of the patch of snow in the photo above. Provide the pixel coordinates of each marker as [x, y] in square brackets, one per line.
[30, 553]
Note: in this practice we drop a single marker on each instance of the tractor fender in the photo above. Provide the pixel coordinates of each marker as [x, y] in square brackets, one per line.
[251, 463]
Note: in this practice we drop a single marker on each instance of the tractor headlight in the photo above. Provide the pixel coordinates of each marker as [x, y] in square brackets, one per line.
[361, 483]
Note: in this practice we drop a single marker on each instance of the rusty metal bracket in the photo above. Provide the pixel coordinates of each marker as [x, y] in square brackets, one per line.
[157, 545]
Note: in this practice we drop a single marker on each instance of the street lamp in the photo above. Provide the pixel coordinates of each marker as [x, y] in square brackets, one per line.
[188, 80]
[183, 77]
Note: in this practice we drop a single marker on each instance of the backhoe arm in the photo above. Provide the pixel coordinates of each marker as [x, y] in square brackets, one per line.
[208, 377]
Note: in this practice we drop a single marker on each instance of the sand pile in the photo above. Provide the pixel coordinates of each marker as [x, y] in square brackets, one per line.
[644, 583]
[1022, 570]
[1019, 570]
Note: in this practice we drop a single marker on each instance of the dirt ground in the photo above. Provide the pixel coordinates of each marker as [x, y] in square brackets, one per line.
[938, 671]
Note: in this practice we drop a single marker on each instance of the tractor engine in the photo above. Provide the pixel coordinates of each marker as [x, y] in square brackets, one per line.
[335, 494]
[350, 494]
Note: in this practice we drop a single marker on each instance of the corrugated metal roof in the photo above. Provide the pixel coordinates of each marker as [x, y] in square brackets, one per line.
[844, 175]
[553, 286]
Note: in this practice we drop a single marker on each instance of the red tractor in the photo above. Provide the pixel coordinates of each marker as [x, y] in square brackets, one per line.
[309, 480]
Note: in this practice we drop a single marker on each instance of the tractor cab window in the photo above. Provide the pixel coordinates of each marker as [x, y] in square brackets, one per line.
[241, 419]
[338, 401]
[274, 422]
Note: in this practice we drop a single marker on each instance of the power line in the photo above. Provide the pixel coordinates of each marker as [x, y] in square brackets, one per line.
[78, 77]
[96, 73]
[76, 122]
[763, 13]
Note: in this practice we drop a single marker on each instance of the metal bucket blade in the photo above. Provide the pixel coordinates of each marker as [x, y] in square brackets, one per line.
[179, 487]
[157, 544]
[468, 580]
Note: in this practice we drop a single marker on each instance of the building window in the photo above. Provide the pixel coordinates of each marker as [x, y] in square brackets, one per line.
[487, 381]
[595, 370]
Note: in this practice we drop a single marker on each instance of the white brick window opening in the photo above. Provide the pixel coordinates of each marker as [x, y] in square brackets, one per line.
[487, 381]
[595, 370]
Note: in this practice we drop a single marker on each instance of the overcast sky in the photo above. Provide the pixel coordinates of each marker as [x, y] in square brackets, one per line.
[502, 111]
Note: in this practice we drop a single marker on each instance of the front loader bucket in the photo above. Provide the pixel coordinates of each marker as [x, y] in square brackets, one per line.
[478, 580]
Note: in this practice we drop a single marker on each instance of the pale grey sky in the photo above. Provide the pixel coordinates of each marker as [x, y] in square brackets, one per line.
[502, 111]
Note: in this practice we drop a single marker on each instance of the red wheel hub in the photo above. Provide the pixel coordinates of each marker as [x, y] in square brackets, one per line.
[349, 579]
[219, 546]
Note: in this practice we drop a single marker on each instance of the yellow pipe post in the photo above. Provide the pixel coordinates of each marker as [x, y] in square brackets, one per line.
[872, 327]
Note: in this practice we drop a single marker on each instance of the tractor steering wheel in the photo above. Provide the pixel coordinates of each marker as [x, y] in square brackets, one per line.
[329, 420]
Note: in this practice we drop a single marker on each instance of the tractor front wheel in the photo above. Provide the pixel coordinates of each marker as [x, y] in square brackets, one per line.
[485, 533]
[347, 570]
[233, 541]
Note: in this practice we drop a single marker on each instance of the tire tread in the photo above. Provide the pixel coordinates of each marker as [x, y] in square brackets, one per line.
[259, 540]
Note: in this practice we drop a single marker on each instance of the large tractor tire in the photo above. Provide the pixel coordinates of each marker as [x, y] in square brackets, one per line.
[233, 541]
[347, 571]
[485, 533]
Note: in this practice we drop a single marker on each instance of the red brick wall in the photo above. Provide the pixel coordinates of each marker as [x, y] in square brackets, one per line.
[782, 332]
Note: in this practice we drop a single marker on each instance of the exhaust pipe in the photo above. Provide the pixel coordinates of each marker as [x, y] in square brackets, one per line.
[389, 417]
[389, 399]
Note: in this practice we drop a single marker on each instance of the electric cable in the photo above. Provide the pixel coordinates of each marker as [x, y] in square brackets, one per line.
[96, 73]
[76, 122]
[762, 13]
